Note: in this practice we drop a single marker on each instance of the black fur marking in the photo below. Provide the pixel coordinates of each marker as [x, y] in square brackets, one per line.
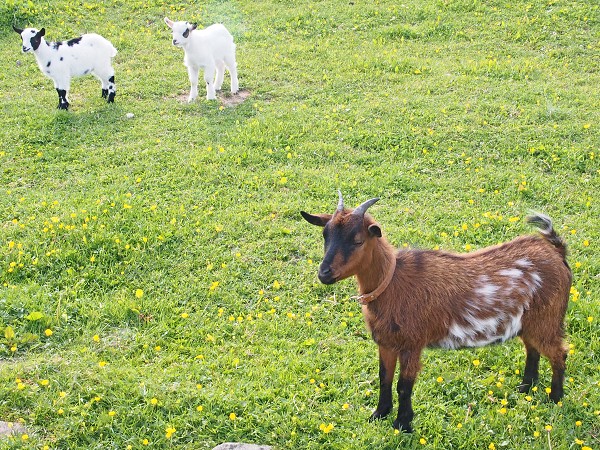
[104, 93]
[72, 42]
[56, 45]
[36, 41]
[186, 33]
[61, 58]
[62, 99]
[111, 97]
[86, 71]
[49, 62]
[112, 79]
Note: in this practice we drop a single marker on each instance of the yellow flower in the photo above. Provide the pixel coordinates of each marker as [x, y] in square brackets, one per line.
[154, 401]
[145, 442]
[61, 411]
[185, 315]
[112, 413]
[102, 363]
[422, 441]
[439, 379]
[326, 428]
[548, 428]
[44, 382]
[536, 434]
[139, 293]
[502, 411]
[492, 446]
[476, 362]
[25, 437]
[169, 432]
[345, 406]
[96, 338]
[48, 332]
[232, 416]
[199, 408]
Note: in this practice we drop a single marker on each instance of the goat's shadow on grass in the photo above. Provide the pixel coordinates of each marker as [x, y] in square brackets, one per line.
[82, 125]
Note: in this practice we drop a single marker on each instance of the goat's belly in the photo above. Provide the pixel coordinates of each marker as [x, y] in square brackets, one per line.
[480, 332]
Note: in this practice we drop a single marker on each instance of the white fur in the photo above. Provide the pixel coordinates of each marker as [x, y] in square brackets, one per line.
[211, 49]
[61, 61]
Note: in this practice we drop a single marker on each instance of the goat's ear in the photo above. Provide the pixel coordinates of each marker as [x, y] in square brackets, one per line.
[375, 230]
[17, 30]
[169, 22]
[316, 219]
[194, 26]
[42, 32]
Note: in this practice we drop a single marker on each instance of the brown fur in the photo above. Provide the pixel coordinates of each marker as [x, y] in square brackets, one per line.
[432, 291]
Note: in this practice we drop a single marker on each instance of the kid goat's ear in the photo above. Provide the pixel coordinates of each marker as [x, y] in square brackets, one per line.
[194, 26]
[169, 22]
[42, 32]
[17, 30]
[316, 219]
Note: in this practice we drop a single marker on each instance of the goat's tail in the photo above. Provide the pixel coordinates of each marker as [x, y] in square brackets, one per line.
[544, 224]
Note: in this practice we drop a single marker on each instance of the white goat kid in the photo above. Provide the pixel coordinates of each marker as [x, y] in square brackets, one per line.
[211, 49]
[61, 61]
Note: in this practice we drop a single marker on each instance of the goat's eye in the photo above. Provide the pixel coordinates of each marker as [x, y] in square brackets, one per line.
[359, 243]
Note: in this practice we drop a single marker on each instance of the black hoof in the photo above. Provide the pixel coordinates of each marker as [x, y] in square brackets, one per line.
[104, 93]
[405, 427]
[377, 415]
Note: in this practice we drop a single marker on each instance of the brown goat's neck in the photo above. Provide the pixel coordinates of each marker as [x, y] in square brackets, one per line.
[375, 276]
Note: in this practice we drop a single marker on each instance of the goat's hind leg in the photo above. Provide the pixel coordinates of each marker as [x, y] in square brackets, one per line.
[109, 88]
[231, 65]
[532, 363]
[557, 355]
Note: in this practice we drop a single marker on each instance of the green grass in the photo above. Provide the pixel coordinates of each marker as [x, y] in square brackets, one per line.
[461, 115]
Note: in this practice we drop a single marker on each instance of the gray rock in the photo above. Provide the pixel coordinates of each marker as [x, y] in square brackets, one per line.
[239, 446]
[8, 428]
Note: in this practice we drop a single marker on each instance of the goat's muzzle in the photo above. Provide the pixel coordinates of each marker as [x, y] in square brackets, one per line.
[326, 276]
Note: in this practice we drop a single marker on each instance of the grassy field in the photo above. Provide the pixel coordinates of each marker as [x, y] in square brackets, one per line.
[158, 286]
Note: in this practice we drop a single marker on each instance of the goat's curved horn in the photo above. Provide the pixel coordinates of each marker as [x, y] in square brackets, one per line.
[17, 30]
[362, 209]
[340, 206]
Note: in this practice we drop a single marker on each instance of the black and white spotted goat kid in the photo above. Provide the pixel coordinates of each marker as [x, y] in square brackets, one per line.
[61, 61]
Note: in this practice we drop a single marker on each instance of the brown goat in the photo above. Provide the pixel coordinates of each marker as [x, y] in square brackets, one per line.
[412, 299]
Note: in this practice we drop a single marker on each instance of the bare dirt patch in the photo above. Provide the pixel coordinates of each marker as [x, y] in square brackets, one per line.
[226, 99]
[229, 100]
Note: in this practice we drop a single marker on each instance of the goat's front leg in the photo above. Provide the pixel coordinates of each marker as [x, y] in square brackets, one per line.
[62, 88]
[387, 366]
[193, 76]
[410, 365]
[209, 78]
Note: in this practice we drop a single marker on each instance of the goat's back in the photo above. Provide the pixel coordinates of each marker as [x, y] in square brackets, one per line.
[472, 299]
